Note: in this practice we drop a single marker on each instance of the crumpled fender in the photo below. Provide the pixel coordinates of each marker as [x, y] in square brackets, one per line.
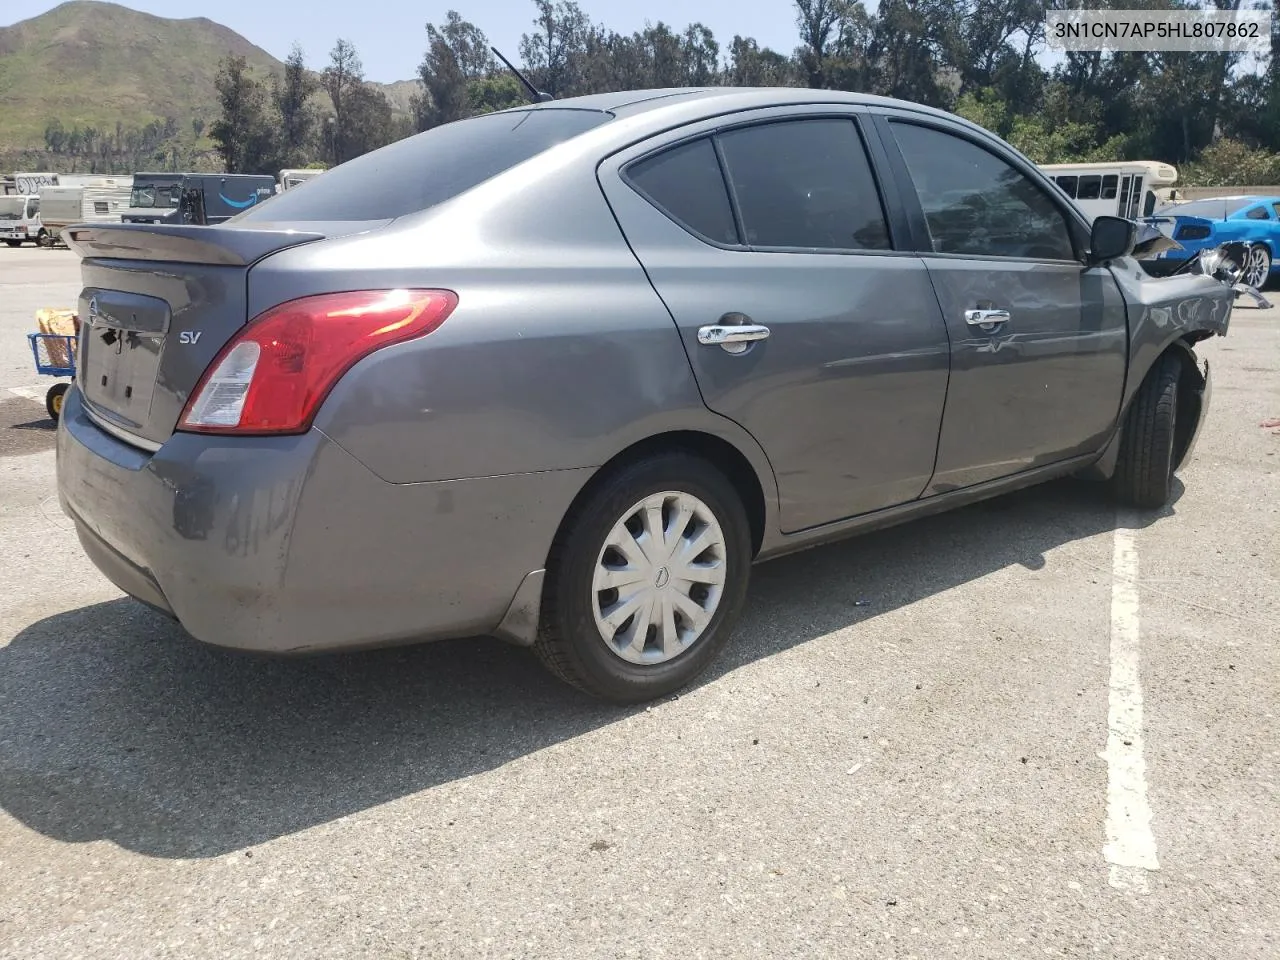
[1166, 312]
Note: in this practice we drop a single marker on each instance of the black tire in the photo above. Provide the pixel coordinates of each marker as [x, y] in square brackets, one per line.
[569, 643]
[53, 400]
[1144, 470]
[14, 243]
[43, 239]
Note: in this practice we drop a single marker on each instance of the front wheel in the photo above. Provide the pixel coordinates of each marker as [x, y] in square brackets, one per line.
[1257, 267]
[43, 239]
[646, 581]
[1144, 470]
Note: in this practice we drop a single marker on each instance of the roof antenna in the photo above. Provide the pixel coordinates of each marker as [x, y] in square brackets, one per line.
[537, 95]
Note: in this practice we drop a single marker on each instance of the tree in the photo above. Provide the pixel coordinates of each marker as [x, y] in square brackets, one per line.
[816, 20]
[751, 65]
[556, 45]
[344, 75]
[701, 55]
[370, 123]
[241, 133]
[291, 95]
[457, 53]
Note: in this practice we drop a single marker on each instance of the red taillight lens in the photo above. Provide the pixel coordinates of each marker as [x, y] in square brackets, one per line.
[274, 374]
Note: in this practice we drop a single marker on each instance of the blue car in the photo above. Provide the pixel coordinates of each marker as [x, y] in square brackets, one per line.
[1204, 224]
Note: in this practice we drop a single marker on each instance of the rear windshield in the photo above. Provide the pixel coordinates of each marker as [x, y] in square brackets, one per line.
[427, 169]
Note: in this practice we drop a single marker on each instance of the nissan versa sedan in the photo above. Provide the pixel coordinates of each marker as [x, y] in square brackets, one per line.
[561, 374]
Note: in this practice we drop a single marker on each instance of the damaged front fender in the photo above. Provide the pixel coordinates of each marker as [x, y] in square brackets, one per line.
[1168, 313]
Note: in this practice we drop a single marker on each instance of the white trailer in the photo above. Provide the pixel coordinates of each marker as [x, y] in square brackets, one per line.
[93, 200]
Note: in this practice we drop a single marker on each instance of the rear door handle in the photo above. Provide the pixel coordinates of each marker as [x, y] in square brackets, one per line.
[985, 319]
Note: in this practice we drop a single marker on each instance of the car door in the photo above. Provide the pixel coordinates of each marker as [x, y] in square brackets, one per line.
[1039, 341]
[770, 227]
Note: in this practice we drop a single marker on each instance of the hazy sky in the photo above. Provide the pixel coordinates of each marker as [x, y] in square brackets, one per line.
[392, 39]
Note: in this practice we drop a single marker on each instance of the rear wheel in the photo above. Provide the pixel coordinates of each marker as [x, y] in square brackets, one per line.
[43, 239]
[1257, 266]
[14, 243]
[646, 581]
[1144, 470]
[53, 400]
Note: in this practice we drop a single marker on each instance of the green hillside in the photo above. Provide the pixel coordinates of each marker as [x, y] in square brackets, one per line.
[97, 64]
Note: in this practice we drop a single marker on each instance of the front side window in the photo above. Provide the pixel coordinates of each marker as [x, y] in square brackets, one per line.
[976, 203]
[686, 184]
[805, 184]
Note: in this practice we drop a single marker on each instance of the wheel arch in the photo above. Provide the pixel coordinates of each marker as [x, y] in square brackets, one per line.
[1190, 384]
[717, 450]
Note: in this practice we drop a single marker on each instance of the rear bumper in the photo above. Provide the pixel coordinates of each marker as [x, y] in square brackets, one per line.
[289, 544]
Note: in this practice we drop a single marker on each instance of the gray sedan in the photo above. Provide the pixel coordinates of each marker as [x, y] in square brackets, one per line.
[563, 373]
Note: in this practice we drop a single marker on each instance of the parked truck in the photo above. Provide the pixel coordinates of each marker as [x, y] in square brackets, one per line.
[196, 198]
[91, 200]
[20, 221]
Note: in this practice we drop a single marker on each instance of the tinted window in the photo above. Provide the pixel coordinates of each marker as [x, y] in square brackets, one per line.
[1258, 213]
[975, 203]
[1109, 187]
[687, 185]
[1090, 188]
[1068, 184]
[805, 184]
[432, 167]
[1276, 207]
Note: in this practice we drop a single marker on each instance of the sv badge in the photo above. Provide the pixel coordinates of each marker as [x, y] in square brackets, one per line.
[190, 336]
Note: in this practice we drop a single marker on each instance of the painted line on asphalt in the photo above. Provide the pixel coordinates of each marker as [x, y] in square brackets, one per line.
[30, 393]
[1130, 847]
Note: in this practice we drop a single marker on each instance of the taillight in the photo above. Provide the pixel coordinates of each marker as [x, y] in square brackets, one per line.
[272, 376]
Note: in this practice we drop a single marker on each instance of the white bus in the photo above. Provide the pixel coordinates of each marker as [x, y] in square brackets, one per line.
[1130, 188]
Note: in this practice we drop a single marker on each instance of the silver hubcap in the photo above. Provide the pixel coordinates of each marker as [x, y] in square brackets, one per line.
[1259, 265]
[659, 578]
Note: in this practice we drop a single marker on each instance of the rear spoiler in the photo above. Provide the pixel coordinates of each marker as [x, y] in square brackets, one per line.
[180, 243]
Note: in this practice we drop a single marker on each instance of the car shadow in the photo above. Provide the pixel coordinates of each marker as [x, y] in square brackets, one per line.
[115, 725]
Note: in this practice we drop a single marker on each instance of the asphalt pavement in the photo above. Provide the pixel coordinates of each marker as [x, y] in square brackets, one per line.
[1033, 727]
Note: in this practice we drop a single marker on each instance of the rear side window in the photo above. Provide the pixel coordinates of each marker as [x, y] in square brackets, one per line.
[686, 184]
[1068, 184]
[1258, 213]
[805, 184]
[1109, 186]
[1089, 189]
[430, 168]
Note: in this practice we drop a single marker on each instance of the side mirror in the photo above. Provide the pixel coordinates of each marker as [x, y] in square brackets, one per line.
[1111, 238]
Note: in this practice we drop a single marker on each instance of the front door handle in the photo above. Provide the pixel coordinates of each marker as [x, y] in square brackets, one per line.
[986, 319]
[735, 337]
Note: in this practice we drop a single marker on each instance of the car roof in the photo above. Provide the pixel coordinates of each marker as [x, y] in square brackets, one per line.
[715, 100]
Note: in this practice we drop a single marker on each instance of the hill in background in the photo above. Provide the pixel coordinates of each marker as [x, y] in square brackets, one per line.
[94, 64]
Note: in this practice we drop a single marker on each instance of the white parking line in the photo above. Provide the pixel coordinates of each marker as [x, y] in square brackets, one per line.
[30, 393]
[1131, 847]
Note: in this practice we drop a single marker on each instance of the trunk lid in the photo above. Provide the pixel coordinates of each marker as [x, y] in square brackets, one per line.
[158, 304]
